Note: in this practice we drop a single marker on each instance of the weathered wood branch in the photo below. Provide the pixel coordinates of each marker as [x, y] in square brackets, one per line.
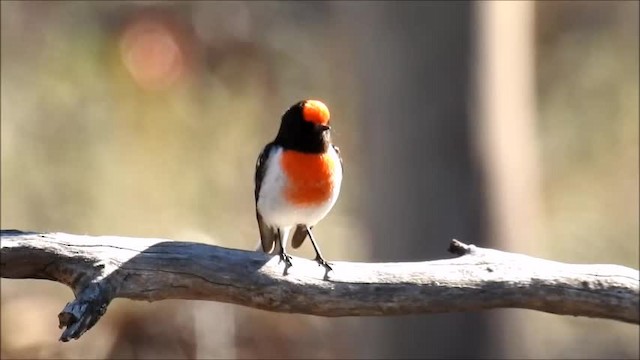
[101, 268]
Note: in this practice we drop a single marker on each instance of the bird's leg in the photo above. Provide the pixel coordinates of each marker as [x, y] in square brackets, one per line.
[319, 257]
[283, 255]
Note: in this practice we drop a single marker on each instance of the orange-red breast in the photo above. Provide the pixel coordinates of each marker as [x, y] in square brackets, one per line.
[297, 179]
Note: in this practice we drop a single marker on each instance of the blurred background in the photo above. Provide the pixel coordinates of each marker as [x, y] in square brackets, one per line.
[505, 124]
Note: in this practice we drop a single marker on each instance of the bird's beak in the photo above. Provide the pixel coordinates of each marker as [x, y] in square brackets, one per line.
[324, 127]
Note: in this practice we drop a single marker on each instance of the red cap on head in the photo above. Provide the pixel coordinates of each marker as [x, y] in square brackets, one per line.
[316, 111]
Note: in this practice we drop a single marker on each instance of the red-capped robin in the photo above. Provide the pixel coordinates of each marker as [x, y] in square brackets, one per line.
[297, 179]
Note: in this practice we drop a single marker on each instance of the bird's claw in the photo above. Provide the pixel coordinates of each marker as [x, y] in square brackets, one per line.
[286, 258]
[323, 262]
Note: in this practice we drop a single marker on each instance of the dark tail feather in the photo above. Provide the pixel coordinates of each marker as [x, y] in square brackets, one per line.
[298, 236]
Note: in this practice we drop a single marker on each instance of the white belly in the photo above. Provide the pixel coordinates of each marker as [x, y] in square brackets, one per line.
[275, 209]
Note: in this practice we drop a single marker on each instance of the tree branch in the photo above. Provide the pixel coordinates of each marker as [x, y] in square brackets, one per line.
[101, 268]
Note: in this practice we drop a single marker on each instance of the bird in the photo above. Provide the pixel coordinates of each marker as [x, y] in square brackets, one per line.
[297, 179]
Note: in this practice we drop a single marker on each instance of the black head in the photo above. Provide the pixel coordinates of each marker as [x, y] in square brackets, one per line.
[305, 127]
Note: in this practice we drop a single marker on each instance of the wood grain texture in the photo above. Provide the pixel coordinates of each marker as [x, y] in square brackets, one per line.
[101, 268]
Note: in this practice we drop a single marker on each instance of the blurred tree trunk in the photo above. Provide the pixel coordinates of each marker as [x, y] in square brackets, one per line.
[506, 141]
[413, 64]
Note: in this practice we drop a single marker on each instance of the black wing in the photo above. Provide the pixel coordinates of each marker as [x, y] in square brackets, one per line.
[300, 233]
[268, 235]
[261, 168]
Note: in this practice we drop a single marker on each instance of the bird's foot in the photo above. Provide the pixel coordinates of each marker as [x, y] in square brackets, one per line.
[286, 258]
[324, 263]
